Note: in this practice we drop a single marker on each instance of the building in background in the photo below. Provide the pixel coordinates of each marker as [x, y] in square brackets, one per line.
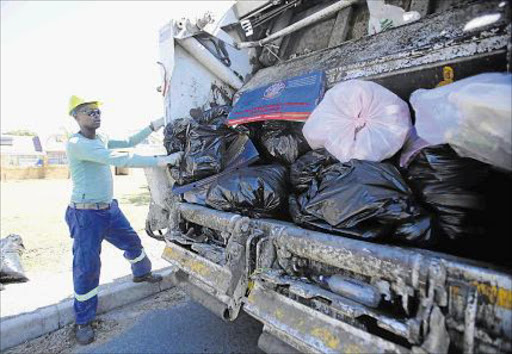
[21, 151]
[24, 157]
[55, 148]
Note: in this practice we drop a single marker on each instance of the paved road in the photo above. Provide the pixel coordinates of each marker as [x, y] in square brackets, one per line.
[185, 328]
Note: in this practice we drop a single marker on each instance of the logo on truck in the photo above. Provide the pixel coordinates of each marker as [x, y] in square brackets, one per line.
[274, 91]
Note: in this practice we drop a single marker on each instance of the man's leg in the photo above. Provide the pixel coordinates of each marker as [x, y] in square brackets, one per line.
[124, 237]
[87, 228]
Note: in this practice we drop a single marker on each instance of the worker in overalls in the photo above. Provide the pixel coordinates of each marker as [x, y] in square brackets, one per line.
[93, 214]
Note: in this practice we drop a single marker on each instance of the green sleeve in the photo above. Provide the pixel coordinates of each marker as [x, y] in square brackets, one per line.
[131, 141]
[80, 150]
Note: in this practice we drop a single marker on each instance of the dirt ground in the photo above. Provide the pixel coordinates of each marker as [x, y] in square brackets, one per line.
[106, 326]
[35, 209]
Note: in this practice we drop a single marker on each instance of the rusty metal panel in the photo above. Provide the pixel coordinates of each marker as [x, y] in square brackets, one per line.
[308, 330]
[208, 272]
[480, 304]
[214, 219]
[439, 283]
[434, 280]
[388, 262]
[339, 305]
[217, 272]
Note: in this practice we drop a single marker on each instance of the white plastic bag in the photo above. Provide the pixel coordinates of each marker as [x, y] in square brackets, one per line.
[359, 120]
[473, 115]
[383, 16]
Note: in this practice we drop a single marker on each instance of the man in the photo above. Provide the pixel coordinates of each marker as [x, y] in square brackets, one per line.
[93, 215]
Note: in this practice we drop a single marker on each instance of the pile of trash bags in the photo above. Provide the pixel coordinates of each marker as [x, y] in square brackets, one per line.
[204, 140]
[11, 269]
[358, 167]
[364, 199]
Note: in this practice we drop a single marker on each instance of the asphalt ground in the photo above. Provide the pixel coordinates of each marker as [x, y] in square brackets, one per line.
[185, 328]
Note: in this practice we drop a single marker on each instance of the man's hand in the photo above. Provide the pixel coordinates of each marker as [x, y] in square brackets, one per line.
[157, 124]
[172, 159]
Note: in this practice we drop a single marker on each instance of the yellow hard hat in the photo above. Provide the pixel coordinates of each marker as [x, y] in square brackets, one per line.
[76, 101]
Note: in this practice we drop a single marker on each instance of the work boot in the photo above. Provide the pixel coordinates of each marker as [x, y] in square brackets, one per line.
[150, 278]
[84, 334]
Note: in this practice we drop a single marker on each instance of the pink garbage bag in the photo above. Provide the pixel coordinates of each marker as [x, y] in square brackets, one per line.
[359, 120]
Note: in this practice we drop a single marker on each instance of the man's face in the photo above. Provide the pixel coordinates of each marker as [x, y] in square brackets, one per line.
[88, 116]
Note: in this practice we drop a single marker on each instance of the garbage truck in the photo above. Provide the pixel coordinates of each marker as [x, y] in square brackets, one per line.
[381, 297]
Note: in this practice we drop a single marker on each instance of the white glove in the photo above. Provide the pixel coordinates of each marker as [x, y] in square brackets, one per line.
[157, 124]
[172, 159]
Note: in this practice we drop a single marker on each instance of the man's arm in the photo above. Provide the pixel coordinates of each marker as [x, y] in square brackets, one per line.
[77, 149]
[97, 153]
[131, 141]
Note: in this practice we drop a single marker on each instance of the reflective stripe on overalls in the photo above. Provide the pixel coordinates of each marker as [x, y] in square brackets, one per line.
[139, 258]
[94, 292]
[87, 296]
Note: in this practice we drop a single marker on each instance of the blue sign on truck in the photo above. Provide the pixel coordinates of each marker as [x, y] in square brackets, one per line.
[291, 100]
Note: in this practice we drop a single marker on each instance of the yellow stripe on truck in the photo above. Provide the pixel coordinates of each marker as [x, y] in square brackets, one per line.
[499, 296]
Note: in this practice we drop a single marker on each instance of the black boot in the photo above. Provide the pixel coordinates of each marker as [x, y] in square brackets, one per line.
[84, 334]
[150, 278]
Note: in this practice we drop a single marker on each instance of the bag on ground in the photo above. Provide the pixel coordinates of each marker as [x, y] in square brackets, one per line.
[11, 269]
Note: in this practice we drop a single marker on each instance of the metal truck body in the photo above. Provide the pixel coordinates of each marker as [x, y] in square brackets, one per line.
[430, 302]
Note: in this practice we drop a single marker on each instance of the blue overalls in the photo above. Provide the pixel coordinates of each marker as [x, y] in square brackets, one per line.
[88, 229]
[89, 164]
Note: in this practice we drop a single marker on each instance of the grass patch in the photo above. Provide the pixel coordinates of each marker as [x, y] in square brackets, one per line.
[34, 209]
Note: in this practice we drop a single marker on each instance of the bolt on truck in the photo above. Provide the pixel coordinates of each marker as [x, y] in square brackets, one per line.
[388, 298]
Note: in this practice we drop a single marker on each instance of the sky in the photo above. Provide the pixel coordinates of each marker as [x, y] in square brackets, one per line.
[104, 50]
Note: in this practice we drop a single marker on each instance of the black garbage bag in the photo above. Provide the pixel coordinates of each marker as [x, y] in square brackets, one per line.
[281, 141]
[204, 141]
[216, 115]
[204, 151]
[175, 135]
[452, 187]
[11, 269]
[363, 199]
[259, 191]
[308, 168]
[497, 188]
